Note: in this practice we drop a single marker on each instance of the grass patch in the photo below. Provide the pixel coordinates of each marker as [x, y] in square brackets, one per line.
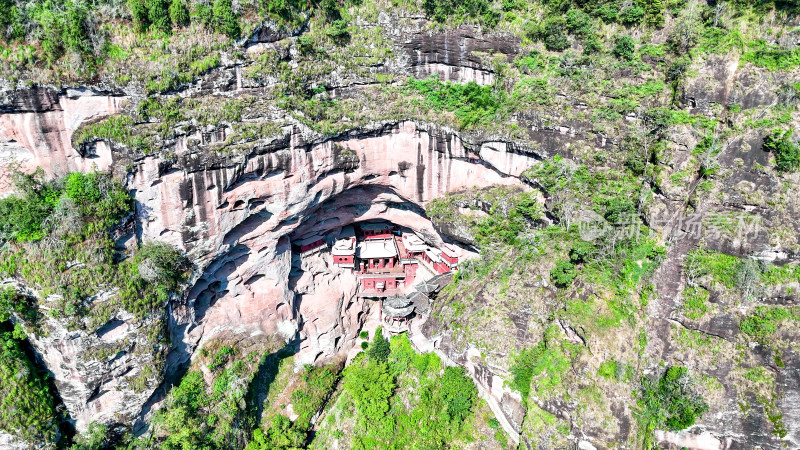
[695, 302]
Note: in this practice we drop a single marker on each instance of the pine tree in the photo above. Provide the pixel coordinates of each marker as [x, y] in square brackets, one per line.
[379, 350]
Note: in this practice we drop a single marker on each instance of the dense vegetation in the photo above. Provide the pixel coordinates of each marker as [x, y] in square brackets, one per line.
[670, 401]
[569, 288]
[77, 205]
[472, 104]
[508, 213]
[27, 406]
[787, 153]
[215, 414]
[51, 223]
[221, 414]
[397, 398]
[51, 215]
[56, 240]
[543, 367]
[77, 38]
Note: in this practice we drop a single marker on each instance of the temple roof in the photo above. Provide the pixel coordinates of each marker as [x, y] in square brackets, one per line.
[421, 302]
[434, 254]
[372, 226]
[414, 243]
[451, 250]
[346, 246]
[347, 232]
[308, 240]
[377, 248]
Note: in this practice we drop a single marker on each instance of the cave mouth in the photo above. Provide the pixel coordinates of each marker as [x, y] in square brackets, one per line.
[385, 264]
[363, 259]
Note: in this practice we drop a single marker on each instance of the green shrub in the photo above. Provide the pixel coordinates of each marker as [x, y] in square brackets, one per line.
[772, 57]
[94, 438]
[281, 434]
[472, 104]
[458, 392]
[669, 401]
[83, 189]
[14, 303]
[608, 370]
[181, 415]
[579, 23]
[63, 27]
[22, 219]
[101, 203]
[408, 401]
[563, 273]
[290, 13]
[364, 334]
[318, 383]
[553, 32]
[607, 12]
[581, 251]
[370, 385]
[547, 362]
[205, 14]
[140, 15]
[338, 32]
[620, 210]
[158, 15]
[631, 15]
[764, 321]
[695, 302]
[179, 13]
[624, 48]
[787, 153]
[459, 11]
[221, 357]
[8, 19]
[224, 20]
[592, 45]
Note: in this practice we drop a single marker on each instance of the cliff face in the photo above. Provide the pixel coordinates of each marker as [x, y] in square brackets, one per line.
[235, 216]
[233, 200]
[36, 129]
[237, 221]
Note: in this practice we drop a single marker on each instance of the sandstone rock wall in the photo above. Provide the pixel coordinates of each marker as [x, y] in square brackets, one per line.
[37, 126]
[236, 221]
[235, 216]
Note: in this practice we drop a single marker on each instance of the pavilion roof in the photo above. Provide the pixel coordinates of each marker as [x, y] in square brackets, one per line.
[397, 306]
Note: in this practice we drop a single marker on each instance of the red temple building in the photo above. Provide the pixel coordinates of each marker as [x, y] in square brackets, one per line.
[450, 255]
[378, 230]
[414, 245]
[386, 263]
[310, 244]
[377, 254]
[379, 265]
[344, 249]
